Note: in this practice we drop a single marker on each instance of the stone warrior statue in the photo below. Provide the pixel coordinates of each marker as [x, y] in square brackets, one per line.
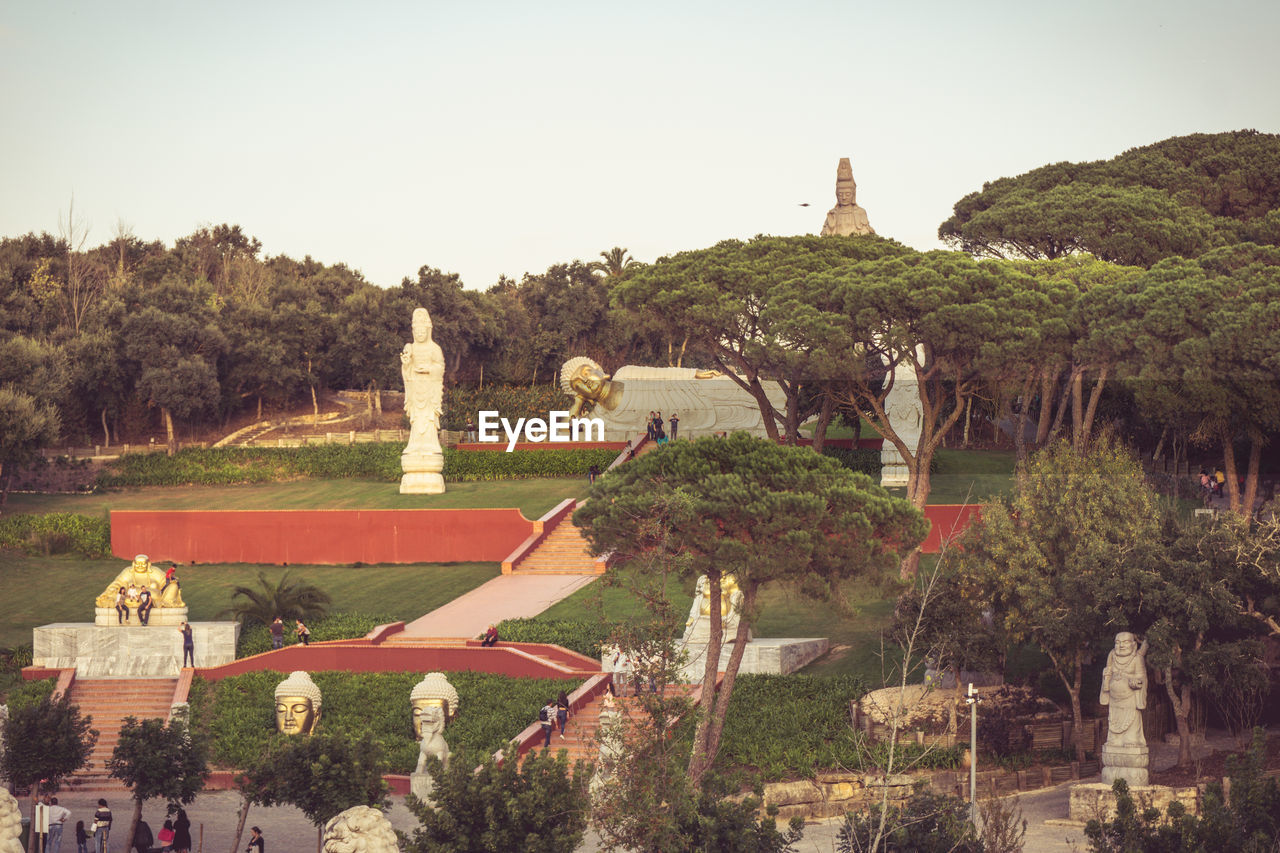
[846, 217]
[1124, 692]
[298, 704]
[434, 702]
[422, 367]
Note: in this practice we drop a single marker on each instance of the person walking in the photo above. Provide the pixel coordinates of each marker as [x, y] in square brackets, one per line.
[547, 716]
[188, 644]
[303, 632]
[101, 827]
[256, 844]
[277, 633]
[562, 711]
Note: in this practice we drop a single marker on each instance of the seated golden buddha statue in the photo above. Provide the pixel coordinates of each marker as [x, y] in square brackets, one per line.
[298, 704]
[138, 574]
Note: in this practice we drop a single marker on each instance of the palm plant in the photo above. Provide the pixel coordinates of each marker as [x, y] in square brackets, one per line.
[286, 598]
[615, 261]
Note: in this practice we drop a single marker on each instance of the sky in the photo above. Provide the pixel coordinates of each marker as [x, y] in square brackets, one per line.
[499, 138]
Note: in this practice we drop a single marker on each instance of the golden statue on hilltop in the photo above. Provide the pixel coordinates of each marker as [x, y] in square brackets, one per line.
[139, 575]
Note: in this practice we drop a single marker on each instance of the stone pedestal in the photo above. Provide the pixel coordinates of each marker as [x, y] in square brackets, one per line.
[1095, 800]
[130, 651]
[763, 656]
[423, 474]
[1125, 762]
[421, 786]
[169, 616]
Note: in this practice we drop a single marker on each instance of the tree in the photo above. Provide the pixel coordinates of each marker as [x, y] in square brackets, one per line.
[1183, 196]
[26, 427]
[489, 806]
[615, 262]
[286, 598]
[158, 759]
[752, 508]
[322, 774]
[45, 742]
[1066, 560]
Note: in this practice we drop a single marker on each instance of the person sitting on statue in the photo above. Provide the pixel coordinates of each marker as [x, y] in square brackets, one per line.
[140, 573]
[144, 605]
[122, 609]
[170, 576]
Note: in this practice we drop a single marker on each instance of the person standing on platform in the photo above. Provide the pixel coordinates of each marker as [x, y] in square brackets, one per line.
[58, 816]
[101, 827]
[674, 423]
[277, 633]
[188, 644]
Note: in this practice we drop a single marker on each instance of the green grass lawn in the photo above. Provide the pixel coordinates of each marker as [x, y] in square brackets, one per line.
[532, 497]
[40, 590]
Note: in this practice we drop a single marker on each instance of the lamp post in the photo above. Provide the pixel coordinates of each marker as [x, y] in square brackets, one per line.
[972, 699]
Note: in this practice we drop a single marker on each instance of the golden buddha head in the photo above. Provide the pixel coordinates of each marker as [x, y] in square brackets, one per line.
[582, 377]
[298, 704]
[421, 325]
[141, 565]
[433, 703]
[728, 586]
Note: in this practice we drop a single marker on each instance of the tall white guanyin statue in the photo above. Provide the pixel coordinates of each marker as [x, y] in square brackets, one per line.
[422, 367]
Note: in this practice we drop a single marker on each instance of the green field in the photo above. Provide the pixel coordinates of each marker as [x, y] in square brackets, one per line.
[532, 497]
[41, 590]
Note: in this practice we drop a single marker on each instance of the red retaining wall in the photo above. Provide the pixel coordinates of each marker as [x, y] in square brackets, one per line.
[521, 660]
[334, 536]
[948, 522]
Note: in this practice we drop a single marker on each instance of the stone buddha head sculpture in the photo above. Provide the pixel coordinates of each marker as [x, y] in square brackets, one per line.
[298, 704]
[846, 186]
[433, 703]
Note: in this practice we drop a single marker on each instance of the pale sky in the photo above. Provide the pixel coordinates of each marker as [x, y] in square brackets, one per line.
[489, 138]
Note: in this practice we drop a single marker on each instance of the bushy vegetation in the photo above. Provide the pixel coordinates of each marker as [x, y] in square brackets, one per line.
[375, 461]
[510, 401]
[582, 637]
[256, 639]
[26, 693]
[861, 459]
[57, 533]
[238, 713]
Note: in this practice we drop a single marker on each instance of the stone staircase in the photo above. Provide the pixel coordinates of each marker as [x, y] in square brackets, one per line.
[582, 733]
[562, 552]
[109, 701]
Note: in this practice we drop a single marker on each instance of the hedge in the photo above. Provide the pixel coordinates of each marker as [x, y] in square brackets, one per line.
[860, 459]
[57, 533]
[377, 461]
[255, 639]
[585, 638]
[238, 713]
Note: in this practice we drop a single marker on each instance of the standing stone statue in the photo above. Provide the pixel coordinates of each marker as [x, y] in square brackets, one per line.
[697, 628]
[846, 217]
[422, 367]
[433, 703]
[1124, 692]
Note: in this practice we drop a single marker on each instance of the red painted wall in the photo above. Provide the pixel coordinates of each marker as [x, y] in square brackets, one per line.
[523, 660]
[948, 522]
[334, 536]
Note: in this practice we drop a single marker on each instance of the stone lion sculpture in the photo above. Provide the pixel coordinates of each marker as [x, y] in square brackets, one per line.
[10, 824]
[434, 702]
[360, 829]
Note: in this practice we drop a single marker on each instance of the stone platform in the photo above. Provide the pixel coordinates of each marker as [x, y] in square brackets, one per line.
[110, 651]
[108, 617]
[763, 655]
[1096, 800]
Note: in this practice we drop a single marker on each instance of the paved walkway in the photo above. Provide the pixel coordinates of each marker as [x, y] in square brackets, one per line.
[504, 597]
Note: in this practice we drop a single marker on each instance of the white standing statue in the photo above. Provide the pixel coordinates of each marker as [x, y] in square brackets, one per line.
[906, 415]
[422, 367]
[697, 628]
[433, 703]
[1124, 692]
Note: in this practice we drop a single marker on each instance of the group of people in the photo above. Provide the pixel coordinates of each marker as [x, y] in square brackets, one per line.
[301, 631]
[52, 818]
[1211, 485]
[555, 711]
[143, 597]
[655, 427]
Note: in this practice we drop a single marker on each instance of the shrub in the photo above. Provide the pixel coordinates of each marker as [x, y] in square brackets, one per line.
[375, 461]
[585, 638]
[256, 639]
[861, 459]
[238, 713]
[29, 693]
[57, 533]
